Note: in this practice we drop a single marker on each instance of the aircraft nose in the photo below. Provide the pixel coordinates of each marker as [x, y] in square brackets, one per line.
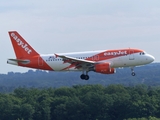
[151, 58]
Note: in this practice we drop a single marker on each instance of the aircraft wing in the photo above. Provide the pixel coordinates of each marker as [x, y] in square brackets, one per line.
[77, 62]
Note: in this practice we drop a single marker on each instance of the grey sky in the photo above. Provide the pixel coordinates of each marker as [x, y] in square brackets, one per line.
[56, 26]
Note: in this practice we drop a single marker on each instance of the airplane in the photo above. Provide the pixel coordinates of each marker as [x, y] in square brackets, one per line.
[101, 61]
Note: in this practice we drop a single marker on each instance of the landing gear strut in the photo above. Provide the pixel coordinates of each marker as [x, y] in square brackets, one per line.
[84, 77]
[133, 73]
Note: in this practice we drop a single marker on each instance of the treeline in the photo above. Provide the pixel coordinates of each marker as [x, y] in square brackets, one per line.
[88, 102]
[148, 75]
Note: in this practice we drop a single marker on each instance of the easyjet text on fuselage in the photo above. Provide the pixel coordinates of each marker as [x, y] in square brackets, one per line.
[116, 53]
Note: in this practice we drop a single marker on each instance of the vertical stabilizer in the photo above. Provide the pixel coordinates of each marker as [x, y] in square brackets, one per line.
[21, 47]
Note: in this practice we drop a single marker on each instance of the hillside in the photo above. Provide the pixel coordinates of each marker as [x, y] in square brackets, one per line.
[149, 75]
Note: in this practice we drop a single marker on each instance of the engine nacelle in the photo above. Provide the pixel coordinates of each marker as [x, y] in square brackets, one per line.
[104, 68]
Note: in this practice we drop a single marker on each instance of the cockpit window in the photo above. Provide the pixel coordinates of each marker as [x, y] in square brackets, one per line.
[142, 53]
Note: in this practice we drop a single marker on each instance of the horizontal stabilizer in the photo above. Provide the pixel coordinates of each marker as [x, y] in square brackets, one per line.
[16, 61]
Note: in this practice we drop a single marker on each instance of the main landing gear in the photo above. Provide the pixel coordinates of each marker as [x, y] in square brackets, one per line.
[133, 73]
[84, 77]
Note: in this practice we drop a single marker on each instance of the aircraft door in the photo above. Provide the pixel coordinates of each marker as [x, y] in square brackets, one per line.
[95, 58]
[40, 61]
[131, 54]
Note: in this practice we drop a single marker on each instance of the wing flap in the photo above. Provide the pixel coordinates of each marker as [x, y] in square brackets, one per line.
[72, 59]
[77, 63]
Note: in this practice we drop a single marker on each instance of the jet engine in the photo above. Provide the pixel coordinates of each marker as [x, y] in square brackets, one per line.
[104, 68]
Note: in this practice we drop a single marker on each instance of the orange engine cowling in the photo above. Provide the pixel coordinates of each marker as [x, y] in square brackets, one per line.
[104, 68]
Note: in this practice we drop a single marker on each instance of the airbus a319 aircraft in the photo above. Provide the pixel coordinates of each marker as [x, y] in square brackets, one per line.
[102, 61]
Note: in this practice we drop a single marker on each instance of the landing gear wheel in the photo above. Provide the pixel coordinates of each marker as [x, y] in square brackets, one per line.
[86, 77]
[82, 76]
[133, 73]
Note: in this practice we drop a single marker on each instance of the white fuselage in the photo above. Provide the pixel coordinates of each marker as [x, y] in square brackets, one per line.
[129, 60]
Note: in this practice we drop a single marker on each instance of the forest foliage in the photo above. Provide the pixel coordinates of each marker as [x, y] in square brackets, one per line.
[148, 75]
[41, 95]
[82, 102]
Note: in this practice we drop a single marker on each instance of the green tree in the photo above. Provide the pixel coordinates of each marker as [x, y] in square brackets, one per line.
[26, 111]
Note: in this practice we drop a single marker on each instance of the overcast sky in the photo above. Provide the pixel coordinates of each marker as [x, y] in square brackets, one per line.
[56, 26]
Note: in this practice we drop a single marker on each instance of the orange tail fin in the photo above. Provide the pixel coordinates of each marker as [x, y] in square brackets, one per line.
[21, 48]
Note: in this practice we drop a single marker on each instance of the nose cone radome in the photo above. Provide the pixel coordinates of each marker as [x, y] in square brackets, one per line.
[151, 58]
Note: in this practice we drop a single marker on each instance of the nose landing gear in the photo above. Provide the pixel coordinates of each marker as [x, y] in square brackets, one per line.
[133, 73]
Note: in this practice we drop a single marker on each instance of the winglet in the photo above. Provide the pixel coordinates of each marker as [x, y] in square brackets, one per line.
[56, 55]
